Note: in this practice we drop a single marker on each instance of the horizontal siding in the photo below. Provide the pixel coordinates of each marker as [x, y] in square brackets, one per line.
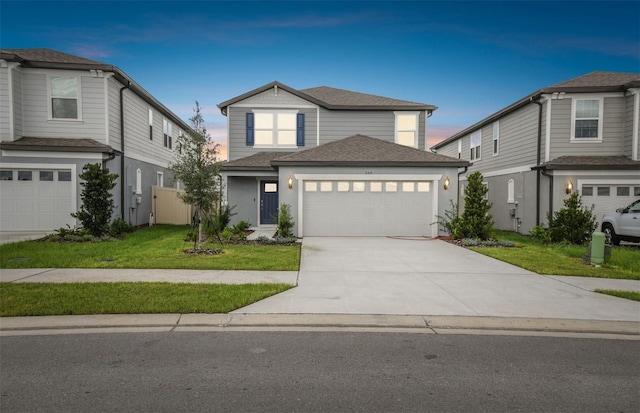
[4, 105]
[517, 143]
[136, 126]
[236, 117]
[613, 127]
[340, 124]
[114, 113]
[35, 108]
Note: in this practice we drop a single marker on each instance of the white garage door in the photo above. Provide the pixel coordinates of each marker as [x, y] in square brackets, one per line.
[606, 198]
[367, 208]
[36, 200]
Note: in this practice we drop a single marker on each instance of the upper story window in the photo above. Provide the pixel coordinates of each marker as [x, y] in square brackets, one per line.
[587, 120]
[407, 128]
[65, 97]
[496, 138]
[150, 124]
[460, 149]
[167, 132]
[475, 143]
[275, 128]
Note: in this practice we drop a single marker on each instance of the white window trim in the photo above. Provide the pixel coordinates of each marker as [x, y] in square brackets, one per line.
[416, 130]
[600, 100]
[496, 138]
[160, 179]
[168, 132]
[479, 133]
[275, 128]
[460, 149]
[49, 97]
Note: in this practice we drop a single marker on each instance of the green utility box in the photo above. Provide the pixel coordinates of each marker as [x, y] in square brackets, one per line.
[597, 248]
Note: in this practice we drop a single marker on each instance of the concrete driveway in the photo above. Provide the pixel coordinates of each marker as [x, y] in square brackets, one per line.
[430, 277]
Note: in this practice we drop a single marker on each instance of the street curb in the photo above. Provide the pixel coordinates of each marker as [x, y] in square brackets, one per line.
[321, 322]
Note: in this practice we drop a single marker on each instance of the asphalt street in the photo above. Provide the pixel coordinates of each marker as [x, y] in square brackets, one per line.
[316, 372]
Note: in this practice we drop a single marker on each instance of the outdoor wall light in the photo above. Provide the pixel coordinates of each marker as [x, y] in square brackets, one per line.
[446, 183]
[569, 188]
[290, 182]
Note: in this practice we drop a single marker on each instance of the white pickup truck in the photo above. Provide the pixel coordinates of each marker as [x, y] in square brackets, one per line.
[623, 225]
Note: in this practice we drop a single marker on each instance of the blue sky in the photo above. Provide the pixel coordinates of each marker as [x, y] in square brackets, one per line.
[468, 58]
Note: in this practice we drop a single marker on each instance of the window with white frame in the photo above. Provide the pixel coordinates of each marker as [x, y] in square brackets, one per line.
[275, 128]
[460, 149]
[150, 124]
[65, 97]
[407, 128]
[587, 119]
[160, 179]
[496, 137]
[474, 144]
[167, 132]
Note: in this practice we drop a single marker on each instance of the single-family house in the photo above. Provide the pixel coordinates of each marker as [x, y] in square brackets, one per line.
[579, 135]
[59, 112]
[348, 163]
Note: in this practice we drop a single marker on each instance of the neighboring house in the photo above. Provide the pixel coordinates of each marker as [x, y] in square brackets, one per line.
[348, 163]
[59, 112]
[579, 135]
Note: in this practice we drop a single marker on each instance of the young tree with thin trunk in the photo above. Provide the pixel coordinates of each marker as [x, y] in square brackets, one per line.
[198, 168]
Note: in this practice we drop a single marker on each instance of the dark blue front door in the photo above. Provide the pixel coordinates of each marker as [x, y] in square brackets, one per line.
[268, 202]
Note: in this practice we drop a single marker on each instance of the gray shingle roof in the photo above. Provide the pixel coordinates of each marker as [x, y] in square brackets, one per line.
[259, 161]
[56, 145]
[599, 79]
[592, 162]
[49, 56]
[360, 150]
[332, 98]
[339, 98]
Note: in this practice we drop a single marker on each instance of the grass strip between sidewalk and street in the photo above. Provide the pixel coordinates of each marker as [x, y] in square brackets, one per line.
[40, 299]
[563, 259]
[158, 247]
[629, 295]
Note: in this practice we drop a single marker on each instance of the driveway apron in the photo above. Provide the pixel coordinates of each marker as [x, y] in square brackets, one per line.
[418, 276]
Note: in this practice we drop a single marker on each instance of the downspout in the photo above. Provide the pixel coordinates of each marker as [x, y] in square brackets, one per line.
[539, 159]
[122, 181]
[545, 173]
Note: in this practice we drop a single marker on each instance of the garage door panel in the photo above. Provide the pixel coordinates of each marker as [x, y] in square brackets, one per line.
[381, 212]
[36, 204]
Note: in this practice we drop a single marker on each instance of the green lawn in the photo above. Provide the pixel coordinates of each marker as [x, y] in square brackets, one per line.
[629, 295]
[558, 259]
[160, 246]
[36, 299]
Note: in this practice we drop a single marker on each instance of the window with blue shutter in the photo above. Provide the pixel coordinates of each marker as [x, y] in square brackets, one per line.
[250, 129]
[300, 130]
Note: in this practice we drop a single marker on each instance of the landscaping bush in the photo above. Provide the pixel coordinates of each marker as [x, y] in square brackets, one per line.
[574, 223]
[97, 200]
[540, 234]
[216, 222]
[285, 221]
[119, 227]
[476, 222]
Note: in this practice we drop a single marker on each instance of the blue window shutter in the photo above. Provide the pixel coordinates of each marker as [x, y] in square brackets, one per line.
[300, 130]
[250, 129]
